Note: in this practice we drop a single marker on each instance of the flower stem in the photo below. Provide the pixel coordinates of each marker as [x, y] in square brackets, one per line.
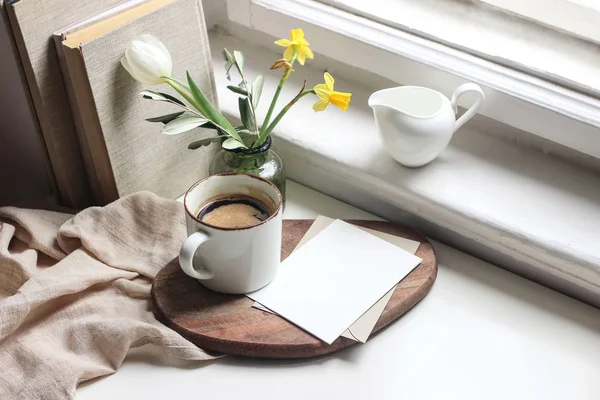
[185, 94]
[284, 77]
[279, 116]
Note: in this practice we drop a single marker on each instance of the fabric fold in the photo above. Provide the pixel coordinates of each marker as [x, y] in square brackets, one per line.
[75, 292]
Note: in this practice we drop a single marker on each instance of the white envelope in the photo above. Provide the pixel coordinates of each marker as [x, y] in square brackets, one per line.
[335, 278]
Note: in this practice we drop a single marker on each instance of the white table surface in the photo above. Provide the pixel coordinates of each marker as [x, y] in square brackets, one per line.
[481, 333]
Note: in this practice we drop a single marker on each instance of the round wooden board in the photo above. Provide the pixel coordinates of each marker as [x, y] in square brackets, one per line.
[229, 324]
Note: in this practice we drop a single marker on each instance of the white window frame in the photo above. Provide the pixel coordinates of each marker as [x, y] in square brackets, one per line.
[580, 18]
[515, 97]
[498, 35]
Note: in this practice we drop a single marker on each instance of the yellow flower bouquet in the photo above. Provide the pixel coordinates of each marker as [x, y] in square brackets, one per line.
[148, 61]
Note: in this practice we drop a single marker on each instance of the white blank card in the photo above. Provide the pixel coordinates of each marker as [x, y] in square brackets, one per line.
[328, 283]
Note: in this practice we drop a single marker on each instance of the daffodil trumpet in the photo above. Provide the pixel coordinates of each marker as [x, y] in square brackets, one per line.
[328, 96]
[148, 61]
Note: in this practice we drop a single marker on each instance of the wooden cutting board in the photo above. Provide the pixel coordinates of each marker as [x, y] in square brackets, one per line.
[229, 324]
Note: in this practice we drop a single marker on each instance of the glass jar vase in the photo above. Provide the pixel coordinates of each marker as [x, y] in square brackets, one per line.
[261, 161]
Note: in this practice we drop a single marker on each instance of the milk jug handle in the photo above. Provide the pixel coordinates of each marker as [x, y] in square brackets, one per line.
[464, 88]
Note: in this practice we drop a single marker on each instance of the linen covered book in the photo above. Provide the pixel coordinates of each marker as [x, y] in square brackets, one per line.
[59, 36]
[126, 153]
[32, 23]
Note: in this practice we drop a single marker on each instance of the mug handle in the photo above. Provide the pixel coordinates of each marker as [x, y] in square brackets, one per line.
[187, 252]
[464, 88]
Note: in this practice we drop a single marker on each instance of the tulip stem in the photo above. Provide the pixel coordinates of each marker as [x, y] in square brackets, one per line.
[281, 114]
[185, 94]
[262, 136]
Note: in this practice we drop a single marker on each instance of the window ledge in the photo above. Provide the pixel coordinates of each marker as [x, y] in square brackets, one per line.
[519, 208]
[516, 98]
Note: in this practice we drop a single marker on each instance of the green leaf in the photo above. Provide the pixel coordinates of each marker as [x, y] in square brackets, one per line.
[185, 92]
[183, 124]
[209, 110]
[210, 125]
[257, 87]
[229, 61]
[228, 69]
[200, 100]
[173, 99]
[204, 142]
[246, 114]
[149, 94]
[238, 90]
[227, 56]
[239, 60]
[231, 144]
[165, 119]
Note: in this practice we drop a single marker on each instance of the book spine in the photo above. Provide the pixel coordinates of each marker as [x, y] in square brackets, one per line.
[88, 125]
[72, 187]
[79, 127]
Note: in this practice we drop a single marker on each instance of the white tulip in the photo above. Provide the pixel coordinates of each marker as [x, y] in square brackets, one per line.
[147, 59]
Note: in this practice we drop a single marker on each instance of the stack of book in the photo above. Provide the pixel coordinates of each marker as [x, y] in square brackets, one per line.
[90, 114]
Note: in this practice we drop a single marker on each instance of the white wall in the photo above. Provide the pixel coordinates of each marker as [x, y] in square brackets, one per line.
[215, 11]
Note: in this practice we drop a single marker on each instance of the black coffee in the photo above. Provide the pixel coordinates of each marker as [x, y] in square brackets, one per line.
[234, 211]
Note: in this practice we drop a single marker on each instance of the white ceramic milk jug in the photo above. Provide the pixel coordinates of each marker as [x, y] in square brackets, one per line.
[417, 123]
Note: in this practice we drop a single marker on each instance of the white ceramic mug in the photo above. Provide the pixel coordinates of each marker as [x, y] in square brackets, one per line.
[232, 260]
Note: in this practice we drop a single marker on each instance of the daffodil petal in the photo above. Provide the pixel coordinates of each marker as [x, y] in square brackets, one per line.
[341, 94]
[301, 58]
[302, 42]
[283, 42]
[288, 53]
[307, 52]
[322, 91]
[329, 80]
[296, 34]
[321, 105]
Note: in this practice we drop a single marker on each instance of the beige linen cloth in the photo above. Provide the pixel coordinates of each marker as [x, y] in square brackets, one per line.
[75, 292]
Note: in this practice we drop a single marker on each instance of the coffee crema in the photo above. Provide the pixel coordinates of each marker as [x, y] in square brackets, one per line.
[234, 211]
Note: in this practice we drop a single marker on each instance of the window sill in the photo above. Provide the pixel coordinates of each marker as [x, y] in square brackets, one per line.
[521, 100]
[519, 208]
[461, 344]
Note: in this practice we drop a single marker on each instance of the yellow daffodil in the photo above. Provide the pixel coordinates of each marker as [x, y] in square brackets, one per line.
[328, 95]
[296, 43]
